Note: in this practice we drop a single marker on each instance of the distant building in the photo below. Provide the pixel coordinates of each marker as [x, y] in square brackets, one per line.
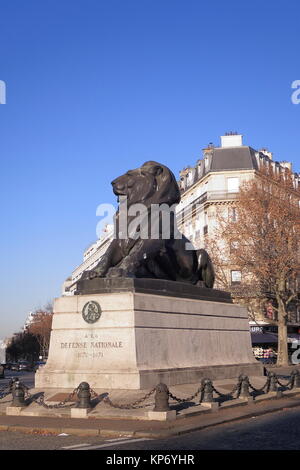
[28, 320]
[3, 346]
[91, 258]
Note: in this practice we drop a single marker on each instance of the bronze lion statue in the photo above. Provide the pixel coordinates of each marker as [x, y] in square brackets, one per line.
[163, 256]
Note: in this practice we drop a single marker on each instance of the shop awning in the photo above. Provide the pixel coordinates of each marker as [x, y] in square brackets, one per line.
[264, 338]
[271, 338]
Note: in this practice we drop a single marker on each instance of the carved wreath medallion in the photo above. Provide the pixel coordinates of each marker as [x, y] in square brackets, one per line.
[91, 312]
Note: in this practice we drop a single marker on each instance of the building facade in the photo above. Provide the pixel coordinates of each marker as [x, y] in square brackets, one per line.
[2, 351]
[214, 183]
[91, 258]
[211, 187]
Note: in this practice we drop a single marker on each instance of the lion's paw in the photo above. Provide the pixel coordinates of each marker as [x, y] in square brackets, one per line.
[93, 274]
[88, 275]
[118, 272]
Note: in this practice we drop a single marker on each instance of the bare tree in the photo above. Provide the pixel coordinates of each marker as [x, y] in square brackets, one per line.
[263, 243]
[40, 327]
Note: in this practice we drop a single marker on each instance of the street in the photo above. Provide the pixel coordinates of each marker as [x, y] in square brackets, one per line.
[276, 431]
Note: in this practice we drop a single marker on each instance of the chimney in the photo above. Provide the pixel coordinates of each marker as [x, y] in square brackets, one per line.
[209, 149]
[266, 152]
[231, 139]
[287, 165]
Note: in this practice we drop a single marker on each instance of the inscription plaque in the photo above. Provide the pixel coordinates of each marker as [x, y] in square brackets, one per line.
[91, 312]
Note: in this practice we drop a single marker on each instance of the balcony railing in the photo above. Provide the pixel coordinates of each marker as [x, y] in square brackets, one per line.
[190, 209]
[220, 195]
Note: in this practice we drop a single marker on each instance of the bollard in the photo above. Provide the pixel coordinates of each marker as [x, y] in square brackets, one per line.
[293, 378]
[296, 378]
[84, 395]
[273, 382]
[18, 394]
[12, 382]
[207, 396]
[244, 393]
[161, 398]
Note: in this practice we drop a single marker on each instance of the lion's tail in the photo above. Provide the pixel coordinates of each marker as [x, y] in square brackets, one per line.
[206, 271]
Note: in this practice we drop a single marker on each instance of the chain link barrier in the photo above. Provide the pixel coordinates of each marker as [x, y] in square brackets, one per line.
[4, 392]
[94, 394]
[290, 383]
[200, 392]
[62, 404]
[129, 406]
[243, 381]
[236, 388]
[7, 390]
[261, 389]
[191, 398]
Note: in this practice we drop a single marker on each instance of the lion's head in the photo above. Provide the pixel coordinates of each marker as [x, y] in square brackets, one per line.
[152, 183]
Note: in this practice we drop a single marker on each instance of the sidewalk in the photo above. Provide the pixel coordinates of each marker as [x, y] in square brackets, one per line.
[106, 421]
[150, 429]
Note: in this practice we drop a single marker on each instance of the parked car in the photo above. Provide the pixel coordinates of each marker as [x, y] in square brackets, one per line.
[24, 365]
[14, 366]
[1, 372]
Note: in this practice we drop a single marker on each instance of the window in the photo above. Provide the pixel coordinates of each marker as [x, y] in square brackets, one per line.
[234, 244]
[233, 185]
[190, 178]
[298, 316]
[205, 228]
[232, 214]
[236, 277]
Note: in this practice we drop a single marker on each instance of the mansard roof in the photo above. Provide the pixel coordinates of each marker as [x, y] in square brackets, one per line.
[233, 158]
[221, 159]
[237, 158]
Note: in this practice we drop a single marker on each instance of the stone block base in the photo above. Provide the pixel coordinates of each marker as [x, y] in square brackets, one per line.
[80, 412]
[162, 415]
[14, 410]
[144, 380]
[213, 406]
[135, 340]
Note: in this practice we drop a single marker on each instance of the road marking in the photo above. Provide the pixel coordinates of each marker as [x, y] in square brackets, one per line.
[111, 444]
[74, 446]
[117, 439]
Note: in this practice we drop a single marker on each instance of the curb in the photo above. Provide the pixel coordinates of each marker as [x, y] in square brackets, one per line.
[188, 429]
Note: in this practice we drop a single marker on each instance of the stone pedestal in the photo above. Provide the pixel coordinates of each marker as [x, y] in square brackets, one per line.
[133, 336]
[14, 410]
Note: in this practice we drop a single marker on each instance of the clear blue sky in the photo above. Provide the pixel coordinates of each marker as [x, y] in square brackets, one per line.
[97, 87]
